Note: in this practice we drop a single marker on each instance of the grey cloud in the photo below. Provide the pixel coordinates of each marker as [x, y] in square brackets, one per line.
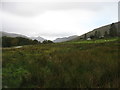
[32, 9]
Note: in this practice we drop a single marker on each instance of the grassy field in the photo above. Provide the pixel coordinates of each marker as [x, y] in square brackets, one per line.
[83, 64]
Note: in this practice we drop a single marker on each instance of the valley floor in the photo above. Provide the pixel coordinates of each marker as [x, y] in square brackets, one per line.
[84, 64]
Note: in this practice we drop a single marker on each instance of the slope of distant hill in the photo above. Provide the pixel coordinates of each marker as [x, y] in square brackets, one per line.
[102, 31]
[11, 34]
[19, 35]
[38, 38]
[65, 38]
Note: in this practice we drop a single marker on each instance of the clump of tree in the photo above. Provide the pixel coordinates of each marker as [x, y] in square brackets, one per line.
[36, 41]
[92, 36]
[17, 41]
[97, 34]
[85, 36]
[106, 34]
[113, 30]
[47, 41]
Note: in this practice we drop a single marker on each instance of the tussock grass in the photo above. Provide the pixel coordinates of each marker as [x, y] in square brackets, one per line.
[63, 65]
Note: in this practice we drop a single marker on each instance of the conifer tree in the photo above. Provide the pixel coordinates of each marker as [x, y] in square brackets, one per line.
[113, 30]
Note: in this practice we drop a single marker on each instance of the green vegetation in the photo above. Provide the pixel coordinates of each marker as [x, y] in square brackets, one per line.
[82, 64]
[97, 34]
[47, 42]
[94, 40]
[17, 41]
[100, 33]
[113, 31]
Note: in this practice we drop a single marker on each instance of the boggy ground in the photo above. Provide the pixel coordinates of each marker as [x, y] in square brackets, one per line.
[63, 65]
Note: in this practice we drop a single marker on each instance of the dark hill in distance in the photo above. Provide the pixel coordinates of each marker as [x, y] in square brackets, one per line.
[102, 31]
[65, 39]
[13, 35]
[2, 33]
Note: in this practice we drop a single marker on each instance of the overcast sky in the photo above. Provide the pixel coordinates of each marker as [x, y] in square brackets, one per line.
[52, 19]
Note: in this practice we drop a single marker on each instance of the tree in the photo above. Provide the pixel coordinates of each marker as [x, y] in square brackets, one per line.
[35, 41]
[92, 36]
[6, 41]
[17, 41]
[14, 42]
[85, 36]
[106, 34]
[47, 41]
[113, 30]
[98, 34]
[95, 35]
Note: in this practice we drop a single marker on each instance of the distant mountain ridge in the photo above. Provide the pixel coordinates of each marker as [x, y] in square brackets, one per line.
[65, 39]
[102, 31]
[38, 38]
[11, 34]
[2, 33]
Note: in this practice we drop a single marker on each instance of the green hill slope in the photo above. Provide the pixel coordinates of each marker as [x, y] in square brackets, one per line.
[102, 30]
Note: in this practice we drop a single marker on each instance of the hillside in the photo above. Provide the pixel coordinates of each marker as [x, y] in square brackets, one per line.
[65, 39]
[11, 34]
[102, 31]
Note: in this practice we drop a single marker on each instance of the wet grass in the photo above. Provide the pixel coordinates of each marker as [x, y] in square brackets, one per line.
[63, 65]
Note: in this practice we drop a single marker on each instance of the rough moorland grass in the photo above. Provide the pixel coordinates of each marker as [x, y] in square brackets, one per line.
[95, 41]
[76, 65]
